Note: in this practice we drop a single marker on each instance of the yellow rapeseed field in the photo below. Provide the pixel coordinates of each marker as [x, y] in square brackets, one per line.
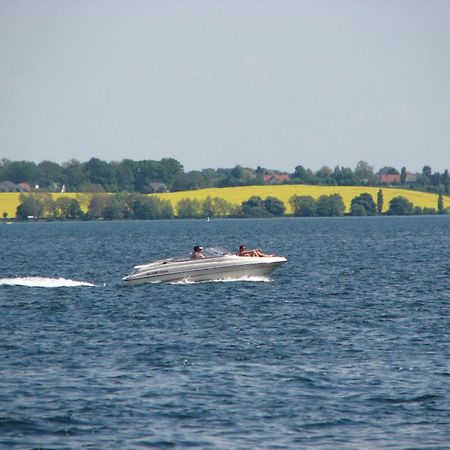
[236, 195]
[8, 203]
[10, 200]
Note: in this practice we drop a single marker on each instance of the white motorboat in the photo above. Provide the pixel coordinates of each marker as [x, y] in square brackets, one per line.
[217, 264]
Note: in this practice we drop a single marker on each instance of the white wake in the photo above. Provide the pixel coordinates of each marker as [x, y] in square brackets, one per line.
[43, 282]
[251, 279]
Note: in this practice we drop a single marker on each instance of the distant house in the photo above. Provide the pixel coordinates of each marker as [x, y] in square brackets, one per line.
[274, 178]
[9, 186]
[410, 178]
[390, 179]
[396, 179]
[25, 187]
[157, 188]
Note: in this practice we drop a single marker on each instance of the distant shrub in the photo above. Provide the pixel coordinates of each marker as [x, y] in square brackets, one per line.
[255, 206]
[303, 205]
[363, 205]
[358, 210]
[429, 211]
[330, 205]
[189, 208]
[400, 206]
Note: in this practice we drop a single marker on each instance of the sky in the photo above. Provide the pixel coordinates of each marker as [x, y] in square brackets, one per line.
[219, 83]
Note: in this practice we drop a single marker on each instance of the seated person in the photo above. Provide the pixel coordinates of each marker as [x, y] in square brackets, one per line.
[256, 252]
[197, 253]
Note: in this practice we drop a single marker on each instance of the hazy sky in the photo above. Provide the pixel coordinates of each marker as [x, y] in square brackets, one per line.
[219, 83]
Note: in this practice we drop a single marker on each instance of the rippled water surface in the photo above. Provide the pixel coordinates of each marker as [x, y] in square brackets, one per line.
[346, 346]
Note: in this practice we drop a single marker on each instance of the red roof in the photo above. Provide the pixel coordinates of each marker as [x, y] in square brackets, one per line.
[391, 179]
[275, 178]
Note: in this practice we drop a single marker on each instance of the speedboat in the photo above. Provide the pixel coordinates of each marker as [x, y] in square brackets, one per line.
[217, 264]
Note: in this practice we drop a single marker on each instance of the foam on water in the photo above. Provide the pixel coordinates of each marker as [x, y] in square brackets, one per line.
[251, 279]
[43, 282]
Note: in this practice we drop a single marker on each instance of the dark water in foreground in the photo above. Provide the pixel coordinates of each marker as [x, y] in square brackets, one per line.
[347, 346]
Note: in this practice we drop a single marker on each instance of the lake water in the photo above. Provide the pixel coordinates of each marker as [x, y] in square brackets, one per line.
[346, 346]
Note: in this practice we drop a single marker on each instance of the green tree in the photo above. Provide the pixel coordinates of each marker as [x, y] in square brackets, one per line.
[29, 208]
[364, 173]
[216, 207]
[426, 211]
[149, 207]
[344, 176]
[91, 188]
[240, 176]
[365, 201]
[67, 208]
[166, 209]
[440, 204]
[254, 207]
[170, 169]
[114, 208]
[324, 175]
[330, 205]
[380, 201]
[19, 171]
[32, 205]
[302, 175]
[223, 208]
[358, 210]
[43, 199]
[426, 172]
[190, 181]
[125, 175]
[4, 162]
[445, 181]
[189, 208]
[126, 200]
[50, 172]
[146, 172]
[96, 206]
[100, 172]
[388, 170]
[209, 208]
[274, 206]
[74, 175]
[74, 210]
[403, 175]
[303, 205]
[400, 206]
[259, 173]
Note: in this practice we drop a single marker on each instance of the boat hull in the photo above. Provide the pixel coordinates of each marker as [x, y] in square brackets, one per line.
[206, 270]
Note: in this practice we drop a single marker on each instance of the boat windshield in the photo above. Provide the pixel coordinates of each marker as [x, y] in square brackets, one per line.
[215, 252]
[208, 252]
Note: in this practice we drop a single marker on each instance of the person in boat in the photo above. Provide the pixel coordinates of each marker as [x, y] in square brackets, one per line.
[256, 252]
[197, 253]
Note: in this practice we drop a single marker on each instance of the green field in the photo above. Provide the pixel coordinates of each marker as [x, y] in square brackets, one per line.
[236, 195]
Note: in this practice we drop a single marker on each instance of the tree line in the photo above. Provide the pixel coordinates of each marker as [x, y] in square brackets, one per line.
[132, 206]
[361, 205]
[97, 175]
